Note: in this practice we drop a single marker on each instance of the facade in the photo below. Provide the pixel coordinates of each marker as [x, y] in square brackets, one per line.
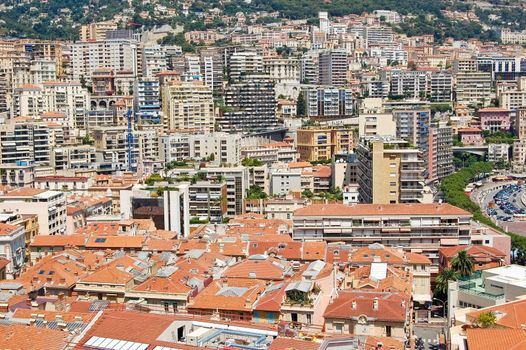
[250, 106]
[440, 154]
[422, 228]
[49, 206]
[495, 119]
[390, 172]
[188, 106]
[520, 123]
[207, 201]
[218, 148]
[12, 248]
[410, 84]
[333, 66]
[327, 102]
[147, 101]
[473, 88]
[319, 143]
[441, 87]
[167, 206]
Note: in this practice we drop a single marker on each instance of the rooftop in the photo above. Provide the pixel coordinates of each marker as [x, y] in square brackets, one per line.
[380, 210]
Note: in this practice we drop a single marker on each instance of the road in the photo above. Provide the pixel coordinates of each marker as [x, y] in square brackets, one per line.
[429, 335]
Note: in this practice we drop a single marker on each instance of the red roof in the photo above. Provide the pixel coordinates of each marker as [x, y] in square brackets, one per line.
[496, 339]
[392, 307]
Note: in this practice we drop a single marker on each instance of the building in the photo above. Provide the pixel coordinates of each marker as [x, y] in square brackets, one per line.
[147, 101]
[12, 248]
[244, 63]
[117, 54]
[188, 106]
[382, 314]
[333, 66]
[471, 136]
[484, 257]
[410, 84]
[413, 127]
[390, 172]
[488, 287]
[49, 206]
[440, 154]
[498, 152]
[325, 102]
[284, 180]
[96, 31]
[495, 119]
[513, 98]
[167, 205]
[473, 88]
[421, 228]
[250, 106]
[208, 201]
[441, 87]
[154, 61]
[520, 123]
[321, 143]
[218, 148]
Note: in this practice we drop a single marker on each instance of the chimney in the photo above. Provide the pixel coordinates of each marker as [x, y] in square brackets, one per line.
[403, 303]
[375, 303]
[354, 304]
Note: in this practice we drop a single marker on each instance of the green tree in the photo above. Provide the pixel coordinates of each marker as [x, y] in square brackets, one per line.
[486, 319]
[442, 280]
[307, 194]
[301, 106]
[87, 140]
[256, 192]
[251, 162]
[463, 263]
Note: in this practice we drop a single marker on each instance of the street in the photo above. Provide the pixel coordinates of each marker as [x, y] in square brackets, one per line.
[429, 334]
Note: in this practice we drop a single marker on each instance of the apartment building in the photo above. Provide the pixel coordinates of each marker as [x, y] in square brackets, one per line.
[24, 141]
[117, 54]
[218, 147]
[208, 201]
[513, 97]
[154, 61]
[244, 63]
[441, 86]
[473, 88]
[147, 101]
[96, 31]
[282, 70]
[12, 248]
[236, 179]
[271, 153]
[333, 66]
[72, 157]
[410, 84]
[440, 154]
[510, 37]
[168, 205]
[49, 206]
[419, 228]
[250, 106]
[188, 106]
[413, 127]
[325, 102]
[321, 143]
[175, 147]
[520, 123]
[390, 172]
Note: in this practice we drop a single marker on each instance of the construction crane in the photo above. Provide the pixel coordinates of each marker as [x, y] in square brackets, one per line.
[129, 138]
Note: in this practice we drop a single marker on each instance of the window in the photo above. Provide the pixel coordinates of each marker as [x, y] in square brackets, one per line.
[339, 327]
[294, 317]
[387, 331]
[309, 318]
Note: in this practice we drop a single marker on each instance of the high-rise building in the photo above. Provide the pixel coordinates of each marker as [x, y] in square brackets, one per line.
[520, 123]
[147, 101]
[413, 127]
[154, 61]
[473, 88]
[24, 141]
[188, 106]
[440, 154]
[250, 106]
[244, 63]
[333, 66]
[410, 84]
[441, 87]
[329, 102]
[389, 171]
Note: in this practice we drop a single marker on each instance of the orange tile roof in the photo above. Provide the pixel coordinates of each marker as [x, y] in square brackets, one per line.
[281, 343]
[396, 280]
[493, 109]
[24, 192]
[380, 210]
[314, 250]
[496, 339]
[367, 255]
[287, 250]
[371, 343]
[7, 229]
[161, 245]
[209, 299]
[478, 252]
[269, 269]
[52, 315]
[115, 242]
[415, 258]
[106, 228]
[469, 130]
[31, 338]
[58, 241]
[390, 306]
[295, 165]
[510, 315]
[110, 274]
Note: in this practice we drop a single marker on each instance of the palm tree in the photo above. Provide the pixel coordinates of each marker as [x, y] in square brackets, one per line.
[463, 263]
[442, 280]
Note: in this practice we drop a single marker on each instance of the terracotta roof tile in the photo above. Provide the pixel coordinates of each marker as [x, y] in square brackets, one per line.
[31, 338]
[281, 343]
[496, 339]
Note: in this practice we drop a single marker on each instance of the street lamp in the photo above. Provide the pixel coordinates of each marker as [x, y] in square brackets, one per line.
[444, 316]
